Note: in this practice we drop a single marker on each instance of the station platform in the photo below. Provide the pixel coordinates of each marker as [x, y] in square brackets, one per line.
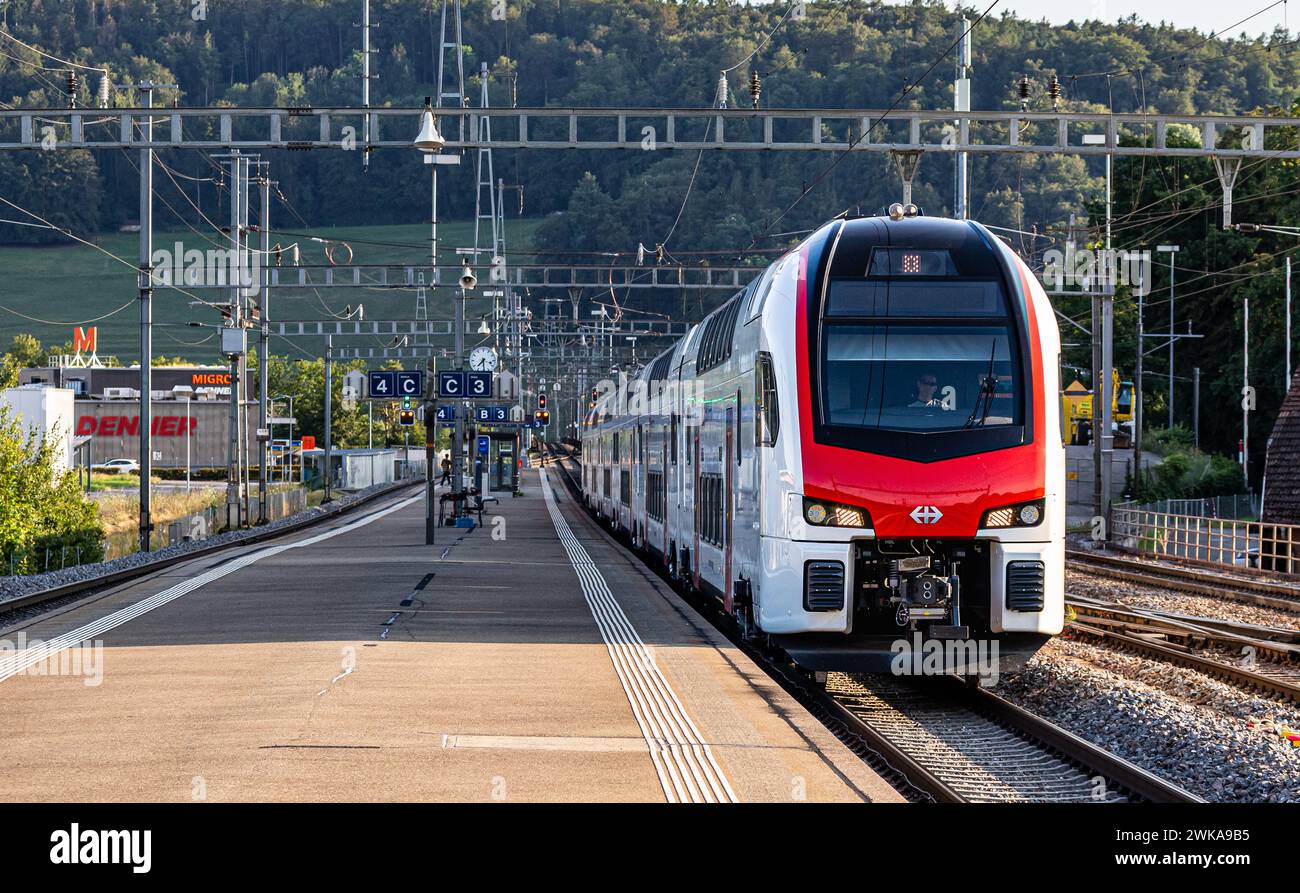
[531, 659]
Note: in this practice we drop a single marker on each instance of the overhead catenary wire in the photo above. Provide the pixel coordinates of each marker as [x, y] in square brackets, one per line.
[123, 261]
[866, 132]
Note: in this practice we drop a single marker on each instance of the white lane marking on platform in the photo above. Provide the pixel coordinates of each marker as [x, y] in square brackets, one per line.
[17, 662]
[686, 766]
[531, 742]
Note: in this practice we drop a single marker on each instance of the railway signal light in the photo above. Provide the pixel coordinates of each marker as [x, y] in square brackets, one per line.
[541, 401]
[406, 418]
[406, 403]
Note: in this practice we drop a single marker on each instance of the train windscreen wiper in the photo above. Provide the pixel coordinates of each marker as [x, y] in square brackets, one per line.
[984, 400]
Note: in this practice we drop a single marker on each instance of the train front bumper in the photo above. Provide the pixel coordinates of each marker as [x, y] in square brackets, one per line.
[792, 591]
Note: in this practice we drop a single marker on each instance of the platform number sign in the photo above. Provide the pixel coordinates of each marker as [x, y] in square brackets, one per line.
[478, 384]
[451, 384]
[446, 413]
[494, 415]
[410, 384]
[383, 385]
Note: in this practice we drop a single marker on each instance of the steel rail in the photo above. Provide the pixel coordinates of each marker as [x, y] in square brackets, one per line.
[1255, 592]
[1220, 669]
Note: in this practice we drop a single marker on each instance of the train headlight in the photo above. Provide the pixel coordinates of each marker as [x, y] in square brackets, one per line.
[1000, 518]
[1025, 514]
[830, 514]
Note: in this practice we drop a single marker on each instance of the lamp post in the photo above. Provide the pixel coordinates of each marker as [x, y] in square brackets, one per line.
[429, 142]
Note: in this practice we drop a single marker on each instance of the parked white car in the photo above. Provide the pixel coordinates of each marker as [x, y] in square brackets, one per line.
[117, 466]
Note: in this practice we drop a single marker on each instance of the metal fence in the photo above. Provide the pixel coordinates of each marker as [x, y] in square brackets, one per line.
[1241, 506]
[1229, 542]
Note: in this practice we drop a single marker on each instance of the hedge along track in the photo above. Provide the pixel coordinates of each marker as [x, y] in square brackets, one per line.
[1280, 596]
[940, 740]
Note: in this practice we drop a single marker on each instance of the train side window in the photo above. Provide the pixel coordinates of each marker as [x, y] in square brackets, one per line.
[614, 455]
[672, 435]
[740, 424]
[767, 416]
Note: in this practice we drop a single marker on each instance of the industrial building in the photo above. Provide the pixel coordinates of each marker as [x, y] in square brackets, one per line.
[190, 407]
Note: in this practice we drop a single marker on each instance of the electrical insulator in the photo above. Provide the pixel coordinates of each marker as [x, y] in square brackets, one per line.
[1022, 90]
[104, 90]
[720, 98]
[755, 87]
[1054, 92]
[72, 88]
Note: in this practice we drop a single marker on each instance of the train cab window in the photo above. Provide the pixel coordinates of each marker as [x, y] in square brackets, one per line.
[920, 377]
[755, 306]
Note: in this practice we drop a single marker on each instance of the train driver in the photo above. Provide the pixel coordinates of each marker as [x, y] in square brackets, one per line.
[926, 384]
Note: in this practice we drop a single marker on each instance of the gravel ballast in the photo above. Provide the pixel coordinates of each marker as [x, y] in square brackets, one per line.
[1204, 735]
[1086, 585]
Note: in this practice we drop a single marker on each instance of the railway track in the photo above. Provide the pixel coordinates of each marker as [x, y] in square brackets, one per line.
[1280, 596]
[944, 741]
[102, 581]
[976, 747]
[1262, 659]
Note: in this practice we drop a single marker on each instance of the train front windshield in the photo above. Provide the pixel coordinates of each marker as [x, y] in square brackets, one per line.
[920, 378]
[914, 347]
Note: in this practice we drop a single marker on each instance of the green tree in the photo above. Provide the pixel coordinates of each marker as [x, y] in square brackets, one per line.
[24, 353]
[40, 507]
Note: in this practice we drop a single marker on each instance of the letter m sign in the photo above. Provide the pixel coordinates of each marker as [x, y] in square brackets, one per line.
[84, 340]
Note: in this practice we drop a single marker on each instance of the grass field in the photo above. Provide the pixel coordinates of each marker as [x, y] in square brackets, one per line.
[117, 481]
[74, 284]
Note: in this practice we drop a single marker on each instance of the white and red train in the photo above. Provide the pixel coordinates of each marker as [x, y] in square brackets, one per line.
[861, 447]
